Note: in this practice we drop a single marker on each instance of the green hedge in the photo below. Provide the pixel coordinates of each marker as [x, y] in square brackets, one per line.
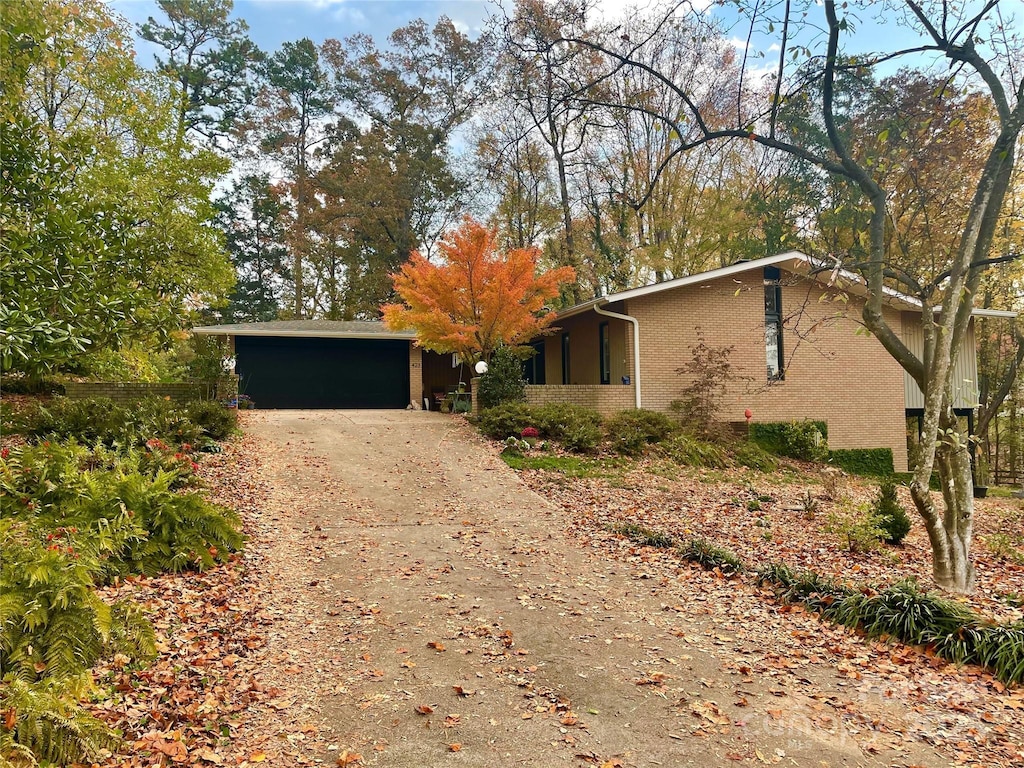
[807, 440]
[873, 462]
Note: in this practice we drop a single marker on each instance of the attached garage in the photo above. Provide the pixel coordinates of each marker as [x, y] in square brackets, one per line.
[322, 363]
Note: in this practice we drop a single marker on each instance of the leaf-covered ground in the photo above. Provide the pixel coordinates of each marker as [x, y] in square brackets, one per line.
[403, 600]
[209, 698]
[764, 519]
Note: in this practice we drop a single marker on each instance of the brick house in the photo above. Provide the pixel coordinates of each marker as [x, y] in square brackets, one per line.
[798, 346]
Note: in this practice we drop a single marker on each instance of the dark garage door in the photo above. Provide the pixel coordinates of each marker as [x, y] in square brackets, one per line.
[279, 372]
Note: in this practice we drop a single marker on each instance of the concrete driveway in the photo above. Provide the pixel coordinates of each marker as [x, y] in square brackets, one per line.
[433, 611]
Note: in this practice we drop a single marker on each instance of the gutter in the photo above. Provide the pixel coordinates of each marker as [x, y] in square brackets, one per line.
[636, 345]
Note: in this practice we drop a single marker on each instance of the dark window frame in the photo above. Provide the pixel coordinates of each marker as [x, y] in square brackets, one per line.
[604, 350]
[533, 367]
[773, 319]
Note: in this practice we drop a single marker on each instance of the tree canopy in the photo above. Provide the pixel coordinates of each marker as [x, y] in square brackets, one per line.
[478, 299]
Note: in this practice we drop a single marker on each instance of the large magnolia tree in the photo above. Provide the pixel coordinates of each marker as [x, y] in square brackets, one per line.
[478, 298]
[968, 45]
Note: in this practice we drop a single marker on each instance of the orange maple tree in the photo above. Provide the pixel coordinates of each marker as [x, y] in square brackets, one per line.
[478, 299]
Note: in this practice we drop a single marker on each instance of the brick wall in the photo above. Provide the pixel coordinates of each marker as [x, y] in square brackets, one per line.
[129, 391]
[834, 372]
[606, 399]
[415, 377]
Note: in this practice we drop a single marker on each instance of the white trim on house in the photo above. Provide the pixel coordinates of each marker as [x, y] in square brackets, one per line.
[798, 259]
[310, 334]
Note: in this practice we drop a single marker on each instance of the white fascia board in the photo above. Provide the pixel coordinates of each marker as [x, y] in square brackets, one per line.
[1004, 313]
[208, 331]
[714, 274]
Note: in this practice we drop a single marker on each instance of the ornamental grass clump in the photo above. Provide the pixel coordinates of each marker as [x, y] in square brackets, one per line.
[711, 556]
[643, 536]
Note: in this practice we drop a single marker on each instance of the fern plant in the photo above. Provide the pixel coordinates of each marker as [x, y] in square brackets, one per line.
[44, 723]
[183, 530]
[52, 622]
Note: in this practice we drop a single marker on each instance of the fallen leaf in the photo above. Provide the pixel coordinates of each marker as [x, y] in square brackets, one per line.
[424, 709]
[347, 758]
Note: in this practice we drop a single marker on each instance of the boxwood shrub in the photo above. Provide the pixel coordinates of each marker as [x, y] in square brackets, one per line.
[873, 462]
[806, 440]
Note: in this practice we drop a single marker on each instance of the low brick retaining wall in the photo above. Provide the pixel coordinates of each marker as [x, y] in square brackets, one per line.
[121, 391]
[606, 399]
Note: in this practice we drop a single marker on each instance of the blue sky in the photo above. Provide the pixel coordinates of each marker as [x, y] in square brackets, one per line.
[272, 22]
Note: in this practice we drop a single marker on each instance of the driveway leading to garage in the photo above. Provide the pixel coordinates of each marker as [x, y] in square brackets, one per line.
[438, 614]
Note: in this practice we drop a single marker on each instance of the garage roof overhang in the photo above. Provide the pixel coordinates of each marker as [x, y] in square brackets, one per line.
[310, 329]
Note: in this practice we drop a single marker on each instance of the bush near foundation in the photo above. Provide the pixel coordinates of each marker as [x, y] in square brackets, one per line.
[631, 431]
[872, 462]
[805, 440]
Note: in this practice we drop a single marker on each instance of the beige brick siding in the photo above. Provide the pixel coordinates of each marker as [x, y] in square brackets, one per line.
[415, 376]
[833, 372]
[606, 399]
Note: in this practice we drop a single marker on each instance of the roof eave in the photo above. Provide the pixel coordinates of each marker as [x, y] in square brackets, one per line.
[213, 330]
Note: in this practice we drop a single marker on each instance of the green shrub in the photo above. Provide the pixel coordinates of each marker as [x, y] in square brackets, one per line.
[711, 556]
[754, 456]
[129, 521]
[690, 451]
[576, 427]
[183, 530]
[890, 515]
[506, 420]
[503, 382]
[643, 536]
[54, 624]
[904, 612]
[872, 462]
[216, 421]
[806, 440]
[100, 420]
[633, 430]
[856, 527]
[50, 727]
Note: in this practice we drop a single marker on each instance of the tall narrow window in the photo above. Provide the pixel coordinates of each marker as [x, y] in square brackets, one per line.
[533, 368]
[565, 359]
[773, 323]
[606, 358]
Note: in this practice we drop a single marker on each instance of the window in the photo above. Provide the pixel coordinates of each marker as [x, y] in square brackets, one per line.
[773, 324]
[606, 358]
[533, 369]
[565, 359]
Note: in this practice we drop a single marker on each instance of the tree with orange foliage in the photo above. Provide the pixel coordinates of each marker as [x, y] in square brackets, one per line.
[478, 299]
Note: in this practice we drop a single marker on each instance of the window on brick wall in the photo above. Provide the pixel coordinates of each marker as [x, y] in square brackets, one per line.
[533, 368]
[773, 324]
[606, 358]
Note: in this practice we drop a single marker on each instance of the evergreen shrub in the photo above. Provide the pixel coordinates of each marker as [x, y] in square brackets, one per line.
[503, 382]
[631, 431]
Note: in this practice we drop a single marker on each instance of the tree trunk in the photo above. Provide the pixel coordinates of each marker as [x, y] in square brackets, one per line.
[950, 530]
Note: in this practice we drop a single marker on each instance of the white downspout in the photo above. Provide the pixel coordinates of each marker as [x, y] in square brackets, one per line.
[636, 346]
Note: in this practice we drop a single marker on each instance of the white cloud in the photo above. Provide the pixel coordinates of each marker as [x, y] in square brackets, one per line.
[618, 9]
